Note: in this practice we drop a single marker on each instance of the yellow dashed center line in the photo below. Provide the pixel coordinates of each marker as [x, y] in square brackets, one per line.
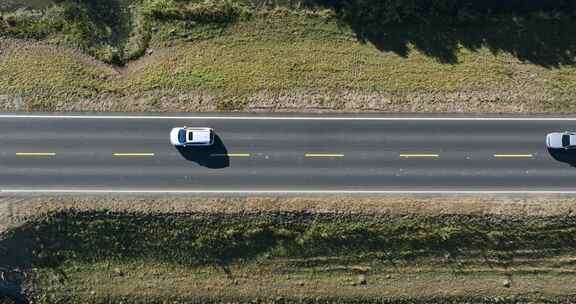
[35, 154]
[323, 155]
[230, 155]
[310, 155]
[513, 155]
[133, 154]
[419, 155]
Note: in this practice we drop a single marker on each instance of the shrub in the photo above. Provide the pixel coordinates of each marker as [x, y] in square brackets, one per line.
[108, 54]
[25, 24]
[212, 12]
[204, 13]
[160, 9]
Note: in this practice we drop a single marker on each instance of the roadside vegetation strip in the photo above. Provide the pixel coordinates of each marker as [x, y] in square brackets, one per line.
[220, 65]
[324, 255]
[275, 191]
[327, 117]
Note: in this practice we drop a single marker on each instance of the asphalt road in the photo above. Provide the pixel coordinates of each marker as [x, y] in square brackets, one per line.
[295, 154]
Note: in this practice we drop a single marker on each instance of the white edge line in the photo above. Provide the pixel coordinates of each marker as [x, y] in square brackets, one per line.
[289, 191]
[513, 155]
[294, 118]
[128, 154]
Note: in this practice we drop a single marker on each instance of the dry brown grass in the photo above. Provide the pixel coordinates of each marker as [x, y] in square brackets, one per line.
[19, 209]
[272, 282]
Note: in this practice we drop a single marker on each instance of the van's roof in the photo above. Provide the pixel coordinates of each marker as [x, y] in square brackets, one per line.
[198, 135]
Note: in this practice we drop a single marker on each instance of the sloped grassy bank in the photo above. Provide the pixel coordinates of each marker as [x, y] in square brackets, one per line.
[256, 55]
[278, 256]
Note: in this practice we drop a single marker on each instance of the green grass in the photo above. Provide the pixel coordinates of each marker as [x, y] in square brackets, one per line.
[233, 56]
[93, 257]
[282, 53]
[100, 28]
[69, 76]
[207, 240]
[277, 282]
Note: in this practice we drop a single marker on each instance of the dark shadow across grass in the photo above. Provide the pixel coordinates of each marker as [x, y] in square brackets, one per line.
[220, 239]
[539, 32]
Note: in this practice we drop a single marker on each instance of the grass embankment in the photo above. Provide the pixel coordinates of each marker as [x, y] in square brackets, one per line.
[223, 56]
[286, 251]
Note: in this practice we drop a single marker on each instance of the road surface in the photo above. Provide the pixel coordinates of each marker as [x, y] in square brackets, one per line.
[284, 154]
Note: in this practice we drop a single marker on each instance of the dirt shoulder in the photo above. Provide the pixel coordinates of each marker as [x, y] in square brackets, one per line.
[153, 249]
[20, 209]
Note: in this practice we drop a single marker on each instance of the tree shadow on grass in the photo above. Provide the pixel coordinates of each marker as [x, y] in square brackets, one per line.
[539, 39]
[11, 290]
[95, 235]
[548, 44]
[220, 240]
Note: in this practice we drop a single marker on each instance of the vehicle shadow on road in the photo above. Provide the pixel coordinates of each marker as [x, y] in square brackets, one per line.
[564, 156]
[213, 157]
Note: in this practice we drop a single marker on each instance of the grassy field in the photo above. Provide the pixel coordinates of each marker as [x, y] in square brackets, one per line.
[294, 250]
[239, 58]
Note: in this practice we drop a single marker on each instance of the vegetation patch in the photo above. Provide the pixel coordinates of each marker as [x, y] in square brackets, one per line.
[104, 256]
[101, 28]
[169, 55]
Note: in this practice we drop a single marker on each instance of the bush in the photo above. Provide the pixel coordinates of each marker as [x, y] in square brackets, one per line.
[160, 9]
[204, 13]
[108, 54]
[25, 24]
[221, 12]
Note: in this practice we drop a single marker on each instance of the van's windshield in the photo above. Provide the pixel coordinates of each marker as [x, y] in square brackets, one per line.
[565, 140]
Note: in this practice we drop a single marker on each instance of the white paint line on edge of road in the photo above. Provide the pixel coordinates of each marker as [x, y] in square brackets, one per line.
[39, 154]
[130, 154]
[501, 155]
[230, 155]
[318, 155]
[292, 118]
[288, 191]
[419, 155]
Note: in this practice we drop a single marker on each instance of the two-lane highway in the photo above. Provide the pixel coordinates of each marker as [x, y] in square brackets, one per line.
[283, 154]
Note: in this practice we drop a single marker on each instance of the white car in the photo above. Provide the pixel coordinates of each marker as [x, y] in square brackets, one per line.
[561, 140]
[186, 136]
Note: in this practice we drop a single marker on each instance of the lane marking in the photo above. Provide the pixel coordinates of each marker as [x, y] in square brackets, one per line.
[513, 155]
[419, 155]
[293, 118]
[35, 154]
[323, 155]
[133, 154]
[127, 191]
[231, 154]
